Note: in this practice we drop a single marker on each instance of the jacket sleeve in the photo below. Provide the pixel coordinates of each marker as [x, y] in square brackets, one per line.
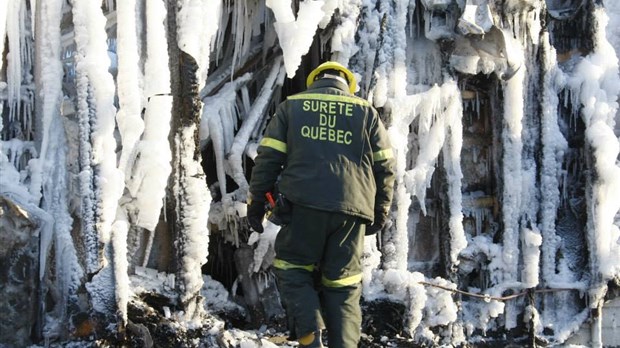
[271, 156]
[383, 165]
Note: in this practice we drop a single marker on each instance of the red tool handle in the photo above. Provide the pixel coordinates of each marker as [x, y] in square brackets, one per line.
[272, 202]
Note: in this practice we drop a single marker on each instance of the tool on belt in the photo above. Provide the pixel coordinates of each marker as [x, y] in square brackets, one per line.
[278, 209]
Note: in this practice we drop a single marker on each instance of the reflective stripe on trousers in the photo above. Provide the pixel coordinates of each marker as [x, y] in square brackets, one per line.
[335, 243]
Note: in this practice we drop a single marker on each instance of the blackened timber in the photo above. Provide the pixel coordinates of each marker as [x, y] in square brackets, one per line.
[185, 150]
[185, 113]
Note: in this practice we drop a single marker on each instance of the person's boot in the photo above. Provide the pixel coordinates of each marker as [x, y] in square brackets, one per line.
[311, 340]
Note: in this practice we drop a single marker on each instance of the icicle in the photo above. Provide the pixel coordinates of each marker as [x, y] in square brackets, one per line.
[91, 39]
[245, 24]
[218, 40]
[15, 150]
[4, 11]
[216, 133]
[295, 33]
[235, 156]
[512, 175]
[197, 25]
[368, 33]
[412, 25]
[129, 118]
[25, 42]
[395, 249]
[439, 24]
[14, 59]
[50, 87]
[67, 271]
[122, 291]
[531, 240]
[157, 55]
[343, 43]
[238, 21]
[216, 116]
[431, 137]
[554, 146]
[398, 74]
[440, 117]
[596, 85]
[452, 165]
[109, 5]
[92, 61]
[480, 215]
[514, 179]
[33, 18]
[48, 172]
[381, 91]
[229, 117]
[439, 111]
[150, 172]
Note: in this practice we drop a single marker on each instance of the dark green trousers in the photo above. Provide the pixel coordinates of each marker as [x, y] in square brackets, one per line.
[332, 244]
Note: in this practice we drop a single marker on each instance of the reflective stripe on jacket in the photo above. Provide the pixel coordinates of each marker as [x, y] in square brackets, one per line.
[331, 151]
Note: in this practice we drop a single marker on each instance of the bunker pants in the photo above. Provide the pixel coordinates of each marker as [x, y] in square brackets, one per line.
[329, 245]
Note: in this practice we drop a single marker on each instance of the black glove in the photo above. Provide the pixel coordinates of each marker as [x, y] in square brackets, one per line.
[256, 213]
[381, 222]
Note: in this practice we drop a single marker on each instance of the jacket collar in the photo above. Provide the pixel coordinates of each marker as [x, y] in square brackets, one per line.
[329, 82]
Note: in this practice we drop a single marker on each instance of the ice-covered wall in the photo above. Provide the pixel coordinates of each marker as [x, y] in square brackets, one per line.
[613, 34]
[501, 114]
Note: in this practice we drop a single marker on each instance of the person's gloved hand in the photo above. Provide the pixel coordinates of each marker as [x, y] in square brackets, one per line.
[381, 222]
[256, 213]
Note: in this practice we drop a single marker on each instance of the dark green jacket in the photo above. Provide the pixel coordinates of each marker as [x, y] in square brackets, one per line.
[330, 150]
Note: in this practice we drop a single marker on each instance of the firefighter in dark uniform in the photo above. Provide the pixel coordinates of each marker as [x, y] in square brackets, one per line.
[331, 157]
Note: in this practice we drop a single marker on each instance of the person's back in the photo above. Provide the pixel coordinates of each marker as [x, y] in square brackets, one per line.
[332, 156]
[329, 151]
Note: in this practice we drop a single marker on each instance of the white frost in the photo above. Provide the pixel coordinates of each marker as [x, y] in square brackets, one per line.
[295, 35]
[596, 86]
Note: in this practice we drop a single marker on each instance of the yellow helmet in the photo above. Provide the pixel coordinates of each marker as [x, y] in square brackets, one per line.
[333, 66]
